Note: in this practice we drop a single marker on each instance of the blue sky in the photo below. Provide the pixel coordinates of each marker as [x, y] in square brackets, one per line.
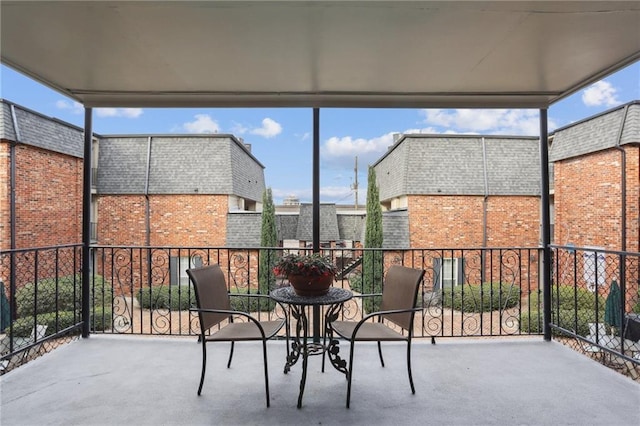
[281, 138]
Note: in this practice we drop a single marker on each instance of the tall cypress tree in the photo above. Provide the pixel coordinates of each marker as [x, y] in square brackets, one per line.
[372, 262]
[268, 238]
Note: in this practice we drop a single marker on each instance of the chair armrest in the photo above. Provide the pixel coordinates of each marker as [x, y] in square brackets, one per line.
[380, 314]
[233, 313]
[262, 296]
[391, 311]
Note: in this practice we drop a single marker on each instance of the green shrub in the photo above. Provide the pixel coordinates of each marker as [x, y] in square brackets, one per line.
[22, 327]
[250, 304]
[175, 298]
[571, 308]
[577, 321]
[63, 295]
[566, 297]
[485, 298]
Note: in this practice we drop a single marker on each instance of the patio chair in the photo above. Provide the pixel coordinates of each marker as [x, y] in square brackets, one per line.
[398, 307]
[217, 318]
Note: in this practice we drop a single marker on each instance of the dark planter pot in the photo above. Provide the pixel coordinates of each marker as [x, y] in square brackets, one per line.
[311, 285]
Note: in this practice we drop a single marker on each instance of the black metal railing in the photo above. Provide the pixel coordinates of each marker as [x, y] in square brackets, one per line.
[465, 292]
[39, 301]
[595, 304]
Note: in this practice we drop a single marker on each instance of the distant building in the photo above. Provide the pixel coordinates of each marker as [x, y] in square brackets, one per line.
[597, 191]
[444, 191]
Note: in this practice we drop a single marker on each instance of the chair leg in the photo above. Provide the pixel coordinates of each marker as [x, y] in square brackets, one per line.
[204, 365]
[413, 389]
[380, 353]
[266, 373]
[350, 373]
[230, 355]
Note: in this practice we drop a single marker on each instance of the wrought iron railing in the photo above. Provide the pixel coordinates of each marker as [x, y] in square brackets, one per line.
[595, 304]
[39, 301]
[465, 292]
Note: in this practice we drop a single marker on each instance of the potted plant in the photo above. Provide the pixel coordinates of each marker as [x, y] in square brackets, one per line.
[308, 274]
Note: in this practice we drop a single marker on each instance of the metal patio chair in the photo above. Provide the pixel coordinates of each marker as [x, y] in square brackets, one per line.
[216, 318]
[399, 295]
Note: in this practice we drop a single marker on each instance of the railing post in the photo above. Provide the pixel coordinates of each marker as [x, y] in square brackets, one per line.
[546, 224]
[86, 222]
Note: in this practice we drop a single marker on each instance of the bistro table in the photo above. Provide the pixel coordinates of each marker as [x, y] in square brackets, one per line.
[300, 346]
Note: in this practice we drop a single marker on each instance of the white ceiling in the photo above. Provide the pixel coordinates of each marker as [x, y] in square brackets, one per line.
[319, 54]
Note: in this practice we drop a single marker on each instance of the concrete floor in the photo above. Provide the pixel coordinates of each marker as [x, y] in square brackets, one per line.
[116, 380]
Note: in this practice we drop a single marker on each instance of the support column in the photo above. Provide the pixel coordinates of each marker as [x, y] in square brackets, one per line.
[86, 222]
[316, 209]
[546, 224]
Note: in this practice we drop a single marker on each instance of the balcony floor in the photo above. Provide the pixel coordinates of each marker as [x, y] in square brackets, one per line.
[120, 380]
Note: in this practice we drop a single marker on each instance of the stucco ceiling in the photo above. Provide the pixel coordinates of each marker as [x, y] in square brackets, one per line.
[319, 54]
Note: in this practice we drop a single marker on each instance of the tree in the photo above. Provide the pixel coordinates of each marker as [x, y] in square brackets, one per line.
[372, 262]
[269, 239]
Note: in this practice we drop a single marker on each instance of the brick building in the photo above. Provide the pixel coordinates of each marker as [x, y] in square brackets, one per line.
[597, 190]
[41, 179]
[460, 191]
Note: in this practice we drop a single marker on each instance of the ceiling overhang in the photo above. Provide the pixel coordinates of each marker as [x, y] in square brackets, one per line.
[418, 54]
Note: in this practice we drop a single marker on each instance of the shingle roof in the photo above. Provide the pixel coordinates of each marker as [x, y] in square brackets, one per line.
[328, 223]
[287, 226]
[38, 130]
[212, 164]
[456, 165]
[395, 228]
[244, 229]
[597, 133]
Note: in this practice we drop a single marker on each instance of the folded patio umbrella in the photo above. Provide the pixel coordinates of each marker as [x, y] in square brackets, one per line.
[5, 312]
[612, 311]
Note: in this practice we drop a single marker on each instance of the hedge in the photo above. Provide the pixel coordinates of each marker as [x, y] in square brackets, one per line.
[63, 295]
[180, 298]
[23, 327]
[176, 298]
[485, 298]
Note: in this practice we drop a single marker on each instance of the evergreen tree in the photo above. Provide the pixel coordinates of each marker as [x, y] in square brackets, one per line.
[268, 238]
[372, 262]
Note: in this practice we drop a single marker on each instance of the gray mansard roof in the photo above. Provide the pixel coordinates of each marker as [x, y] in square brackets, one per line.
[328, 223]
[244, 228]
[186, 164]
[38, 130]
[460, 165]
[618, 126]
[395, 230]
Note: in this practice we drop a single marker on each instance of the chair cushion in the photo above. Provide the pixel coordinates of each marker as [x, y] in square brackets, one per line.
[236, 331]
[370, 331]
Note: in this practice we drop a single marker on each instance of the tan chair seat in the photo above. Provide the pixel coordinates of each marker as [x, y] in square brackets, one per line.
[369, 331]
[238, 331]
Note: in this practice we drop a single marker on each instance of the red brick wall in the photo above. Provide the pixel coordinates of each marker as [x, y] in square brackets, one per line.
[48, 197]
[457, 221]
[175, 220]
[588, 200]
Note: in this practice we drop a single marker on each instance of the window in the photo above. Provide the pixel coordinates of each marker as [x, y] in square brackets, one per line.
[594, 269]
[178, 268]
[448, 272]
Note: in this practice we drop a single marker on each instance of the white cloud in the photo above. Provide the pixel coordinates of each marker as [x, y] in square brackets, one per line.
[203, 123]
[119, 112]
[74, 107]
[600, 93]
[350, 147]
[238, 129]
[487, 121]
[303, 136]
[269, 129]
